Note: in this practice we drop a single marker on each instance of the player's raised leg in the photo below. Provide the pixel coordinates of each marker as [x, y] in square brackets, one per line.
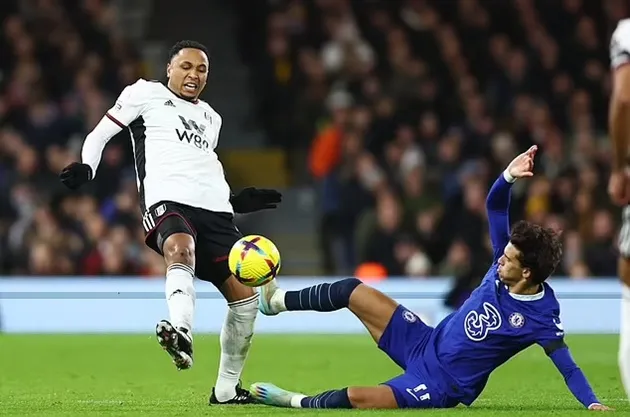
[175, 336]
[371, 306]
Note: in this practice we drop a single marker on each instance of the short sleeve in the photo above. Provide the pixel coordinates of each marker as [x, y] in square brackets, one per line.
[620, 44]
[129, 104]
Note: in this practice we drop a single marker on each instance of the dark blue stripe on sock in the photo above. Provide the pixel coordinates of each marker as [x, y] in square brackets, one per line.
[322, 297]
[328, 399]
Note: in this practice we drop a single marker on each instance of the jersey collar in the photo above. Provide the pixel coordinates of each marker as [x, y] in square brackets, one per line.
[528, 297]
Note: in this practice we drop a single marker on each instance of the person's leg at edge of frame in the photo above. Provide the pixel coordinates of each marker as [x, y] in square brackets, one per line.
[624, 337]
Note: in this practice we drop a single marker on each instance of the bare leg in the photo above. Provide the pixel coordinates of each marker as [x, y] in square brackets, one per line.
[624, 340]
[371, 306]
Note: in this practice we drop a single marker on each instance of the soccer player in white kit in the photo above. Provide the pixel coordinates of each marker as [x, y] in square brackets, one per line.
[187, 205]
[619, 184]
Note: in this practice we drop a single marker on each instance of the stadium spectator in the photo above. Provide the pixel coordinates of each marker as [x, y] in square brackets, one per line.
[61, 67]
[409, 108]
[403, 110]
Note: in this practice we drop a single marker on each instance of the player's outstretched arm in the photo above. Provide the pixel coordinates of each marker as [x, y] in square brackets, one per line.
[498, 200]
[559, 353]
[128, 107]
[76, 174]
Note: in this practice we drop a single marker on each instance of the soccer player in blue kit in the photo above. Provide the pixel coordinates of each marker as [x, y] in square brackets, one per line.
[512, 309]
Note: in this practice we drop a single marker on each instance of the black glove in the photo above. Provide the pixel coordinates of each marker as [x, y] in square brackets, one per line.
[75, 175]
[252, 199]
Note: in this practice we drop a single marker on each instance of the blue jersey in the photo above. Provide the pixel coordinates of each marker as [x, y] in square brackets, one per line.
[493, 325]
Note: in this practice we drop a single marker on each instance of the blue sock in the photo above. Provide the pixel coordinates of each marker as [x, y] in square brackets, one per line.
[322, 297]
[328, 399]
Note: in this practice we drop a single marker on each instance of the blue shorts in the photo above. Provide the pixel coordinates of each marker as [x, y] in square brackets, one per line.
[403, 340]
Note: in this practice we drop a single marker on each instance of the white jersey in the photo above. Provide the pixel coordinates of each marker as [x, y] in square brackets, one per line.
[620, 44]
[173, 142]
[620, 55]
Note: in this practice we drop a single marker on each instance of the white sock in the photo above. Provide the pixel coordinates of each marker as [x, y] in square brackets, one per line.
[236, 338]
[624, 342]
[180, 295]
[296, 400]
[277, 300]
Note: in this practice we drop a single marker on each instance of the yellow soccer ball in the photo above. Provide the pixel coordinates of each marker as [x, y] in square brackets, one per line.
[254, 260]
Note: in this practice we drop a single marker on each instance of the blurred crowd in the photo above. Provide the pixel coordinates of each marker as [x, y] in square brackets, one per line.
[407, 110]
[62, 64]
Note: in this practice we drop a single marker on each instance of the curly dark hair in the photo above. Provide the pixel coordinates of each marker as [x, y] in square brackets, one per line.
[540, 247]
[187, 44]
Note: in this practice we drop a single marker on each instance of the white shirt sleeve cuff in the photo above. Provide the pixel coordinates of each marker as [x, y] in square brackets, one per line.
[508, 177]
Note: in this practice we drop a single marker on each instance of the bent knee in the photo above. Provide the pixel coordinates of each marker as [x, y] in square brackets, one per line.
[347, 286]
[179, 248]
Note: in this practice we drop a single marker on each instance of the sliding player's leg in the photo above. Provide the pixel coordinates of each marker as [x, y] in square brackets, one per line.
[396, 330]
[216, 237]
[410, 390]
[371, 306]
[170, 233]
[379, 397]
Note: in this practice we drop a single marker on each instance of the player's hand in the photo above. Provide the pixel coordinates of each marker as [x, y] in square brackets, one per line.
[599, 407]
[254, 199]
[75, 175]
[619, 187]
[523, 165]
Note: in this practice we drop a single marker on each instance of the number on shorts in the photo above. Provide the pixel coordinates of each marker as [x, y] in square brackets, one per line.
[416, 393]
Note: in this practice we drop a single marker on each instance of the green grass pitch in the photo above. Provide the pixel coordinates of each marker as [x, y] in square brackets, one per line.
[129, 375]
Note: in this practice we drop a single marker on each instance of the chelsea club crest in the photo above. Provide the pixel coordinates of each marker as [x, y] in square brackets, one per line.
[516, 320]
[409, 316]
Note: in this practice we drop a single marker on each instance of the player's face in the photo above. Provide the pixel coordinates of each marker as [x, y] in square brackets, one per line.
[188, 72]
[510, 269]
